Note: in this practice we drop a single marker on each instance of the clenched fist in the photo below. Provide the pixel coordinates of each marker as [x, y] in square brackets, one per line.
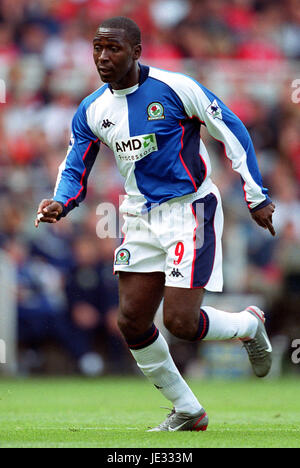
[48, 212]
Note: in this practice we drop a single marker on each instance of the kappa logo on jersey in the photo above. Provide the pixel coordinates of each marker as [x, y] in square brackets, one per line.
[215, 110]
[106, 123]
[156, 111]
[122, 257]
[176, 273]
[135, 148]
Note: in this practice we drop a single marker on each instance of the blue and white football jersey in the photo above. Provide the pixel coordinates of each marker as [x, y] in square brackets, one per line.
[153, 129]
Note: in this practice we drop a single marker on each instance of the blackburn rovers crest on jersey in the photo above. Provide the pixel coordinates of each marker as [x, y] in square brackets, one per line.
[155, 111]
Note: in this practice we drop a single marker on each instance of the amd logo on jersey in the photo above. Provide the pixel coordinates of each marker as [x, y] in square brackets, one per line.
[135, 148]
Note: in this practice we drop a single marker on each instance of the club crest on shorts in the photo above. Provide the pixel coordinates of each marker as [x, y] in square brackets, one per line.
[156, 111]
[122, 257]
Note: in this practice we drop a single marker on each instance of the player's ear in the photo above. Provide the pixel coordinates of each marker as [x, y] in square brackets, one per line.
[137, 51]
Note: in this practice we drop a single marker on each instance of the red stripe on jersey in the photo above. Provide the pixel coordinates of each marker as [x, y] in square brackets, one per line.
[83, 174]
[182, 161]
[204, 163]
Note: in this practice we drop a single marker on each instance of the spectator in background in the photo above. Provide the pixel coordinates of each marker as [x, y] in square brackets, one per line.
[69, 49]
[92, 294]
[79, 316]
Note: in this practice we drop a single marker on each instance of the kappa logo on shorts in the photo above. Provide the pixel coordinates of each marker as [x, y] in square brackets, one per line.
[176, 273]
[122, 257]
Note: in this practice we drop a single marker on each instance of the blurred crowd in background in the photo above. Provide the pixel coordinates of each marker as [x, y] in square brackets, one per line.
[247, 52]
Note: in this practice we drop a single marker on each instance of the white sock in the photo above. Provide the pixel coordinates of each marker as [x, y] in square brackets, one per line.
[226, 325]
[157, 365]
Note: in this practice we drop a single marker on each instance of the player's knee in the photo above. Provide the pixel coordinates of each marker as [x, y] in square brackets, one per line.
[182, 324]
[177, 326]
[130, 322]
[127, 324]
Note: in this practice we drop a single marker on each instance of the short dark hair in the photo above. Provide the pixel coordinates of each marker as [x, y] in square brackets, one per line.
[132, 30]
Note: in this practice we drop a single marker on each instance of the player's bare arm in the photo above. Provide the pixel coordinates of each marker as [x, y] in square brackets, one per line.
[264, 217]
[48, 212]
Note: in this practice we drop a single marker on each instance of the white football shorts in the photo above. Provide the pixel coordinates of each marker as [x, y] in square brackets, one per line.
[181, 238]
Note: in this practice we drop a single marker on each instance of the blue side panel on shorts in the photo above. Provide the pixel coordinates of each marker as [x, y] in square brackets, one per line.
[204, 256]
[160, 176]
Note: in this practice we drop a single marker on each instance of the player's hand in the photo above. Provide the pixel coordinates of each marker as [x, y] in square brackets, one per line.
[264, 218]
[48, 212]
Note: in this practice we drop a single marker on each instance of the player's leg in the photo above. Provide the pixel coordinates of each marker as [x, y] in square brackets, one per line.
[194, 262]
[185, 318]
[140, 297]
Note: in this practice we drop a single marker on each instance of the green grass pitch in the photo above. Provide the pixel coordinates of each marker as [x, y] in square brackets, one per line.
[115, 413]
